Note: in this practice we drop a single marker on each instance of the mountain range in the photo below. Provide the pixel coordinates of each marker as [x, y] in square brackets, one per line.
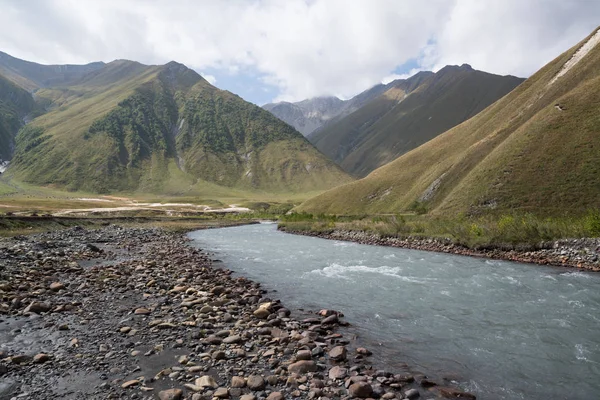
[309, 115]
[537, 149]
[386, 121]
[125, 126]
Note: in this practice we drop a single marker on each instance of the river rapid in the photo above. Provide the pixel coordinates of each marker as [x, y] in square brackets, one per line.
[502, 330]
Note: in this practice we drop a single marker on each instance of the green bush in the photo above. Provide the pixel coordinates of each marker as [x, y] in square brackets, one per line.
[592, 223]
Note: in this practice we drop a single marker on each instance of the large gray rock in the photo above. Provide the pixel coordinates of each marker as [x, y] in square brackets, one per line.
[338, 372]
[302, 367]
[255, 382]
[338, 353]
[170, 394]
[361, 390]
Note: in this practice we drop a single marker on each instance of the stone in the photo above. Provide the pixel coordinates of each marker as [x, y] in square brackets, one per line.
[363, 351]
[37, 307]
[276, 396]
[427, 383]
[327, 313]
[131, 383]
[232, 339]
[453, 393]
[56, 286]
[412, 394]
[303, 355]
[332, 319]
[20, 359]
[221, 393]
[206, 310]
[206, 381]
[338, 353]
[238, 382]
[125, 329]
[217, 290]
[255, 382]
[183, 359]
[41, 358]
[261, 313]
[302, 367]
[338, 372]
[248, 397]
[361, 390]
[141, 311]
[170, 394]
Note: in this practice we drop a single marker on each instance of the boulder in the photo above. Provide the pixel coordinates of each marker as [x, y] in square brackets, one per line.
[221, 393]
[56, 286]
[302, 367]
[206, 381]
[303, 355]
[338, 372]
[170, 394]
[238, 382]
[338, 353]
[361, 390]
[41, 358]
[37, 307]
[256, 382]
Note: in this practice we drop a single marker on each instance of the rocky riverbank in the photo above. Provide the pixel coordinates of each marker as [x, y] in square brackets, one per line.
[575, 253]
[137, 313]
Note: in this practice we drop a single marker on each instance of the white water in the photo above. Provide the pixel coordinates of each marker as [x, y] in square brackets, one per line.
[505, 330]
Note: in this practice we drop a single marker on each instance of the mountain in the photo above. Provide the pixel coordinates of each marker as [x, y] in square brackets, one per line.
[308, 116]
[32, 76]
[407, 114]
[536, 149]
[162, 129]
[15, 105]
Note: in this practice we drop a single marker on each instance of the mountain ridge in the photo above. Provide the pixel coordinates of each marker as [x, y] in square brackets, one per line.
[162, 129]
[536, 149]
[409, 113]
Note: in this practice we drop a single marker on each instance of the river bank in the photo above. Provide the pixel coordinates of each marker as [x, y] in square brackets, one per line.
[138, 313]
[576, 253]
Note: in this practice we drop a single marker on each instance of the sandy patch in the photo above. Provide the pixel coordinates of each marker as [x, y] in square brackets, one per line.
[578, 56]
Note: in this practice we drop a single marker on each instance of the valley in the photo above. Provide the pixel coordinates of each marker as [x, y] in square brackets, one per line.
[387, 226]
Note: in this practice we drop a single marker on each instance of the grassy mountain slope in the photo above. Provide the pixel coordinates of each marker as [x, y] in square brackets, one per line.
[15, 104]
[158, 129]
[32, 76]
[537, 149]
[411, 113]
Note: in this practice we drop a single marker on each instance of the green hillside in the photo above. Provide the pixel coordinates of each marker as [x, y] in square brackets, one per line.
[15, 104]
[162, 129]
[32, 76]
[537, 149]
[410, 113]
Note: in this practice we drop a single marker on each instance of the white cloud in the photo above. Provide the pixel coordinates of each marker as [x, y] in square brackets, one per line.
[210, 78]
[304, 47]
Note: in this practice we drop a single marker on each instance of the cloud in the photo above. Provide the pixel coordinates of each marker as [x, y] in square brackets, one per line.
[304, 48]
[210, 78]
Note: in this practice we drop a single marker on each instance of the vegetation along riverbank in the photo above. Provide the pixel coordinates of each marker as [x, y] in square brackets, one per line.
[569, 242]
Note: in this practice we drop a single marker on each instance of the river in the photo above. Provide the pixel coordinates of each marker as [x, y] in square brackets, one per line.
[502, 330]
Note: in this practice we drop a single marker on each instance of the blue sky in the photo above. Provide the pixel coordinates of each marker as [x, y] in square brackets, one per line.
[273, 50]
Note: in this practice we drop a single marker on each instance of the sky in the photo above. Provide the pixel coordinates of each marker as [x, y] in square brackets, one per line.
[290, 50]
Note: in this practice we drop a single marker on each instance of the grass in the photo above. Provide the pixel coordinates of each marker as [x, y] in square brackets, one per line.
[508, 231]
[520, 153]
[164, 130]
